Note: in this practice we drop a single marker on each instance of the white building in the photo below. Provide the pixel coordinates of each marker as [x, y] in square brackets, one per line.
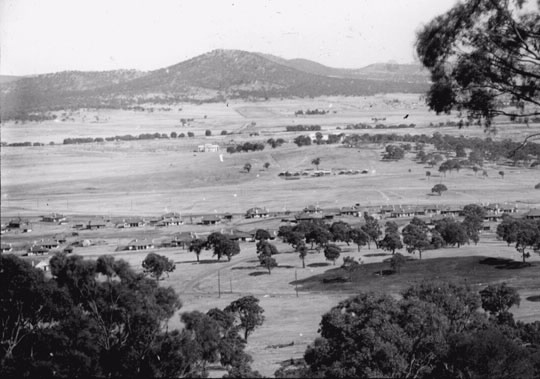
[208, 148]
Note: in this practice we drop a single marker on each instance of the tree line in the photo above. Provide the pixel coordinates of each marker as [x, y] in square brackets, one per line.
[303, 128]
[417, 236]
[362, 125]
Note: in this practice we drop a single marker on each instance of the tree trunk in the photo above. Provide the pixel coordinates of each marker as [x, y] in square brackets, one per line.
[303, 262]
[420, 253]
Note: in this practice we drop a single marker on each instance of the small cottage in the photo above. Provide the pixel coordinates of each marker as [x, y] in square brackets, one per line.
[143, 244]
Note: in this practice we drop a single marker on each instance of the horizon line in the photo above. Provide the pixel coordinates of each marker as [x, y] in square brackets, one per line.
[392, 61]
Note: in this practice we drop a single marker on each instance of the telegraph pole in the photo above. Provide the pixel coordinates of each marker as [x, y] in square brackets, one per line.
[219, 284]
[296, 282]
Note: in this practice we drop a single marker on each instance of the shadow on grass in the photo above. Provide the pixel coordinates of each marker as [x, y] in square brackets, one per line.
[376, 255]
[535, 298]
[384, 272]
[244, 268]
[320, 264]
[336, 279]
[504, 263]
[285, 266]
[202, 261]
[258, 273]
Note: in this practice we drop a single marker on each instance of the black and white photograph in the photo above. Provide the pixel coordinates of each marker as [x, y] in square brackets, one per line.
[270, 189]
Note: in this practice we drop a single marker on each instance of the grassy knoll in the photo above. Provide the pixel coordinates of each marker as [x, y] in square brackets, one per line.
[379, 277]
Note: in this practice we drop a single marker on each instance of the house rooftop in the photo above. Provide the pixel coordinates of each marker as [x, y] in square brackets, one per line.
[533, 212]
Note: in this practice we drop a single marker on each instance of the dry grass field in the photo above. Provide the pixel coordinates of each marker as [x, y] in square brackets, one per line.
[148, 178]
[292, 318]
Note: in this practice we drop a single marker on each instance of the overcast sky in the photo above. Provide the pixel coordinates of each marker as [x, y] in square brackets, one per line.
[40, 36]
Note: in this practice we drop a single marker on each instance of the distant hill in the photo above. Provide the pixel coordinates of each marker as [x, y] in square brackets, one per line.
[214, 76]
[9, 78]
[411, 73]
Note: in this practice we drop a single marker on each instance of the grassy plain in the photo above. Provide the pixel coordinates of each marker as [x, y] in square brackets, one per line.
[149, 178]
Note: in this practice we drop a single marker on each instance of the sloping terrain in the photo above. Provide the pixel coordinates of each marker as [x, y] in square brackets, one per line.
[215, 76]
[409, 73]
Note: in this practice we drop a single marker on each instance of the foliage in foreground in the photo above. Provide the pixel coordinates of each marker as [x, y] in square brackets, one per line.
[102, 319]
[435, 330]
[482, 54]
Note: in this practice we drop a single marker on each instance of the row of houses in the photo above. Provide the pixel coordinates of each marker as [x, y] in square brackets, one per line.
[400, 211]
[17, 224]
[57, 218]
[45, 246]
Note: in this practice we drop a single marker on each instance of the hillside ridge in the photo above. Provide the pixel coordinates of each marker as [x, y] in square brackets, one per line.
[214, 76]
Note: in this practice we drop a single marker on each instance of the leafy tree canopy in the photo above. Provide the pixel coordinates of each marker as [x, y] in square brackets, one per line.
[156, 265]
[434, 331]
[247, 312]
[484, 55]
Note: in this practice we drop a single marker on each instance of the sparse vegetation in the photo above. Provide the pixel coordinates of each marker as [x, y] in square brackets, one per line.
[439, 189]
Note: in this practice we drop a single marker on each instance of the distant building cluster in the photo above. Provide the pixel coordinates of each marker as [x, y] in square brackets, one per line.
[66, 243]
[208, 148]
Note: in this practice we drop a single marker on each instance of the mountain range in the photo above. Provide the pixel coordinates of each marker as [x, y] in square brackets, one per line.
[215, 76]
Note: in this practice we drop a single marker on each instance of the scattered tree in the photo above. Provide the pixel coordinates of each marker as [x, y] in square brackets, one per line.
[397, 261]
[267, 261]
[262, 235]
[156, 265]
[316, 162]
[372, 229]
[473, 221]
[266, 165]
[415, 236]
[394, 152]
[197, 246]
[524, 233]
[341, 232]
[392, 240]
[317, 234]
[452, 232]
[302, 141]
[501, 173]
[247, 167]
[439, 188]
[301, 248]
[248, 313]
[332, 252]
[359, 237]
[222, 246]
[350, 265]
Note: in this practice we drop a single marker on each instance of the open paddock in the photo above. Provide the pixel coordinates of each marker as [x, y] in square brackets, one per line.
[152, 177]
[148, 178]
